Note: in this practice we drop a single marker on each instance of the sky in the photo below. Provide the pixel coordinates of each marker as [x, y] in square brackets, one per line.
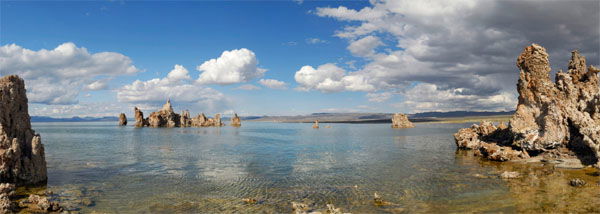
[100, 58]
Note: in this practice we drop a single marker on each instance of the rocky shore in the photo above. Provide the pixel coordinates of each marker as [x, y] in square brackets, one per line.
[553, 121]
[166, 117]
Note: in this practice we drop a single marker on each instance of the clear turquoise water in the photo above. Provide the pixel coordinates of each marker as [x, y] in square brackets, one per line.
[133, 170]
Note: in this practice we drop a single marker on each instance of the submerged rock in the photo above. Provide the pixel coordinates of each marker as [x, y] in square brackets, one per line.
[401, 121]
[510, 175]
[562, 117]
[577, 182]
[122, 119]
[22, 158]
[236, 121]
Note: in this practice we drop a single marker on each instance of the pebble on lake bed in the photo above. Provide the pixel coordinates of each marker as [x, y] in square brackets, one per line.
[577, 182]
[510, 175]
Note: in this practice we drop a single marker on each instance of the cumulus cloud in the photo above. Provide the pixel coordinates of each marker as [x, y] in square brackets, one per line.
[177, 86]
[97, 85]
[379, 97]
[273, 84]
[428, 97]
[466, 48]
[365, 47]
[57, 76]
[248, 87]
[329, 78]
[231, 67]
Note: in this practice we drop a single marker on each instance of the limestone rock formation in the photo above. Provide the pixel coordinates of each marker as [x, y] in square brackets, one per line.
[122, 119]
[166, 117]
[560, 117]
[316, 124]
[401, 121]
[185, 120]
[22, 159]
[139, 118]
[236, 121]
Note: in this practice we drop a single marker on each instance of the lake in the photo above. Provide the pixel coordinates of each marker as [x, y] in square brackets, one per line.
[99, 166]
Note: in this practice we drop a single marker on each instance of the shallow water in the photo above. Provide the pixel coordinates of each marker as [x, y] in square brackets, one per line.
[154, 170]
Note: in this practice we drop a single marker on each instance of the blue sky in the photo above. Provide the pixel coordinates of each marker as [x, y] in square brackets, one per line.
[395, 53]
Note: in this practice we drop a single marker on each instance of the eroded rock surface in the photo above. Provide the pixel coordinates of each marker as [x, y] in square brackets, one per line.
[236, 121]
[166, 117]
[139, 118]
[401, 121]
[22, 158]
[561, 117]
[122, 119]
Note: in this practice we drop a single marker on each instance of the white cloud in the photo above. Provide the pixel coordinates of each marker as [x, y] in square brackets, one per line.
[379, 97]
[273, 84]
[465, 48]
[428, 97]
[176, 86]
[248, 87]
[314, 41]
[58, 76]
[330, 78]
[97, 85]
[365, 47]
[343, 13]
[231, 67]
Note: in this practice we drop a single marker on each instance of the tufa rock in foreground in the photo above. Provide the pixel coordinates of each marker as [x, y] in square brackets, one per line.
[558, 119]
[122, 119]
[166, 117]
[401, 121]
[22, 159]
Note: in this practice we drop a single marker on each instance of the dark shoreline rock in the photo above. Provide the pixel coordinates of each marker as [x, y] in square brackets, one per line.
[561, 119]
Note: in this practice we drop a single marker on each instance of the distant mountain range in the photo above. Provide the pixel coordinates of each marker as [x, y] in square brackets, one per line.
[324, 117]
[72, 119]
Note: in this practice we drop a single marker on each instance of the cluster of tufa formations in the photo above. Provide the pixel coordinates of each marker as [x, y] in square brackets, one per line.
[401, 121]
[553, 120]
[22, 159]
[166, 117]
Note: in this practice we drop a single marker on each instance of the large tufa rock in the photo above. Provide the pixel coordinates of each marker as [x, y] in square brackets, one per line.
[122, 119]
[22, 159]
[139, 118]
[550, 117]
[236, 121]
[165, 117]
[401, 121]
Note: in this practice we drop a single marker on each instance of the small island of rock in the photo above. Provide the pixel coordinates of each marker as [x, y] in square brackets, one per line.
[122, 119]
[166, 117]
[558, 119]
[401, 121]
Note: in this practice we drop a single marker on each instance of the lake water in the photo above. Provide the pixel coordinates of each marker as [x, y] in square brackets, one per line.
[106, 168]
